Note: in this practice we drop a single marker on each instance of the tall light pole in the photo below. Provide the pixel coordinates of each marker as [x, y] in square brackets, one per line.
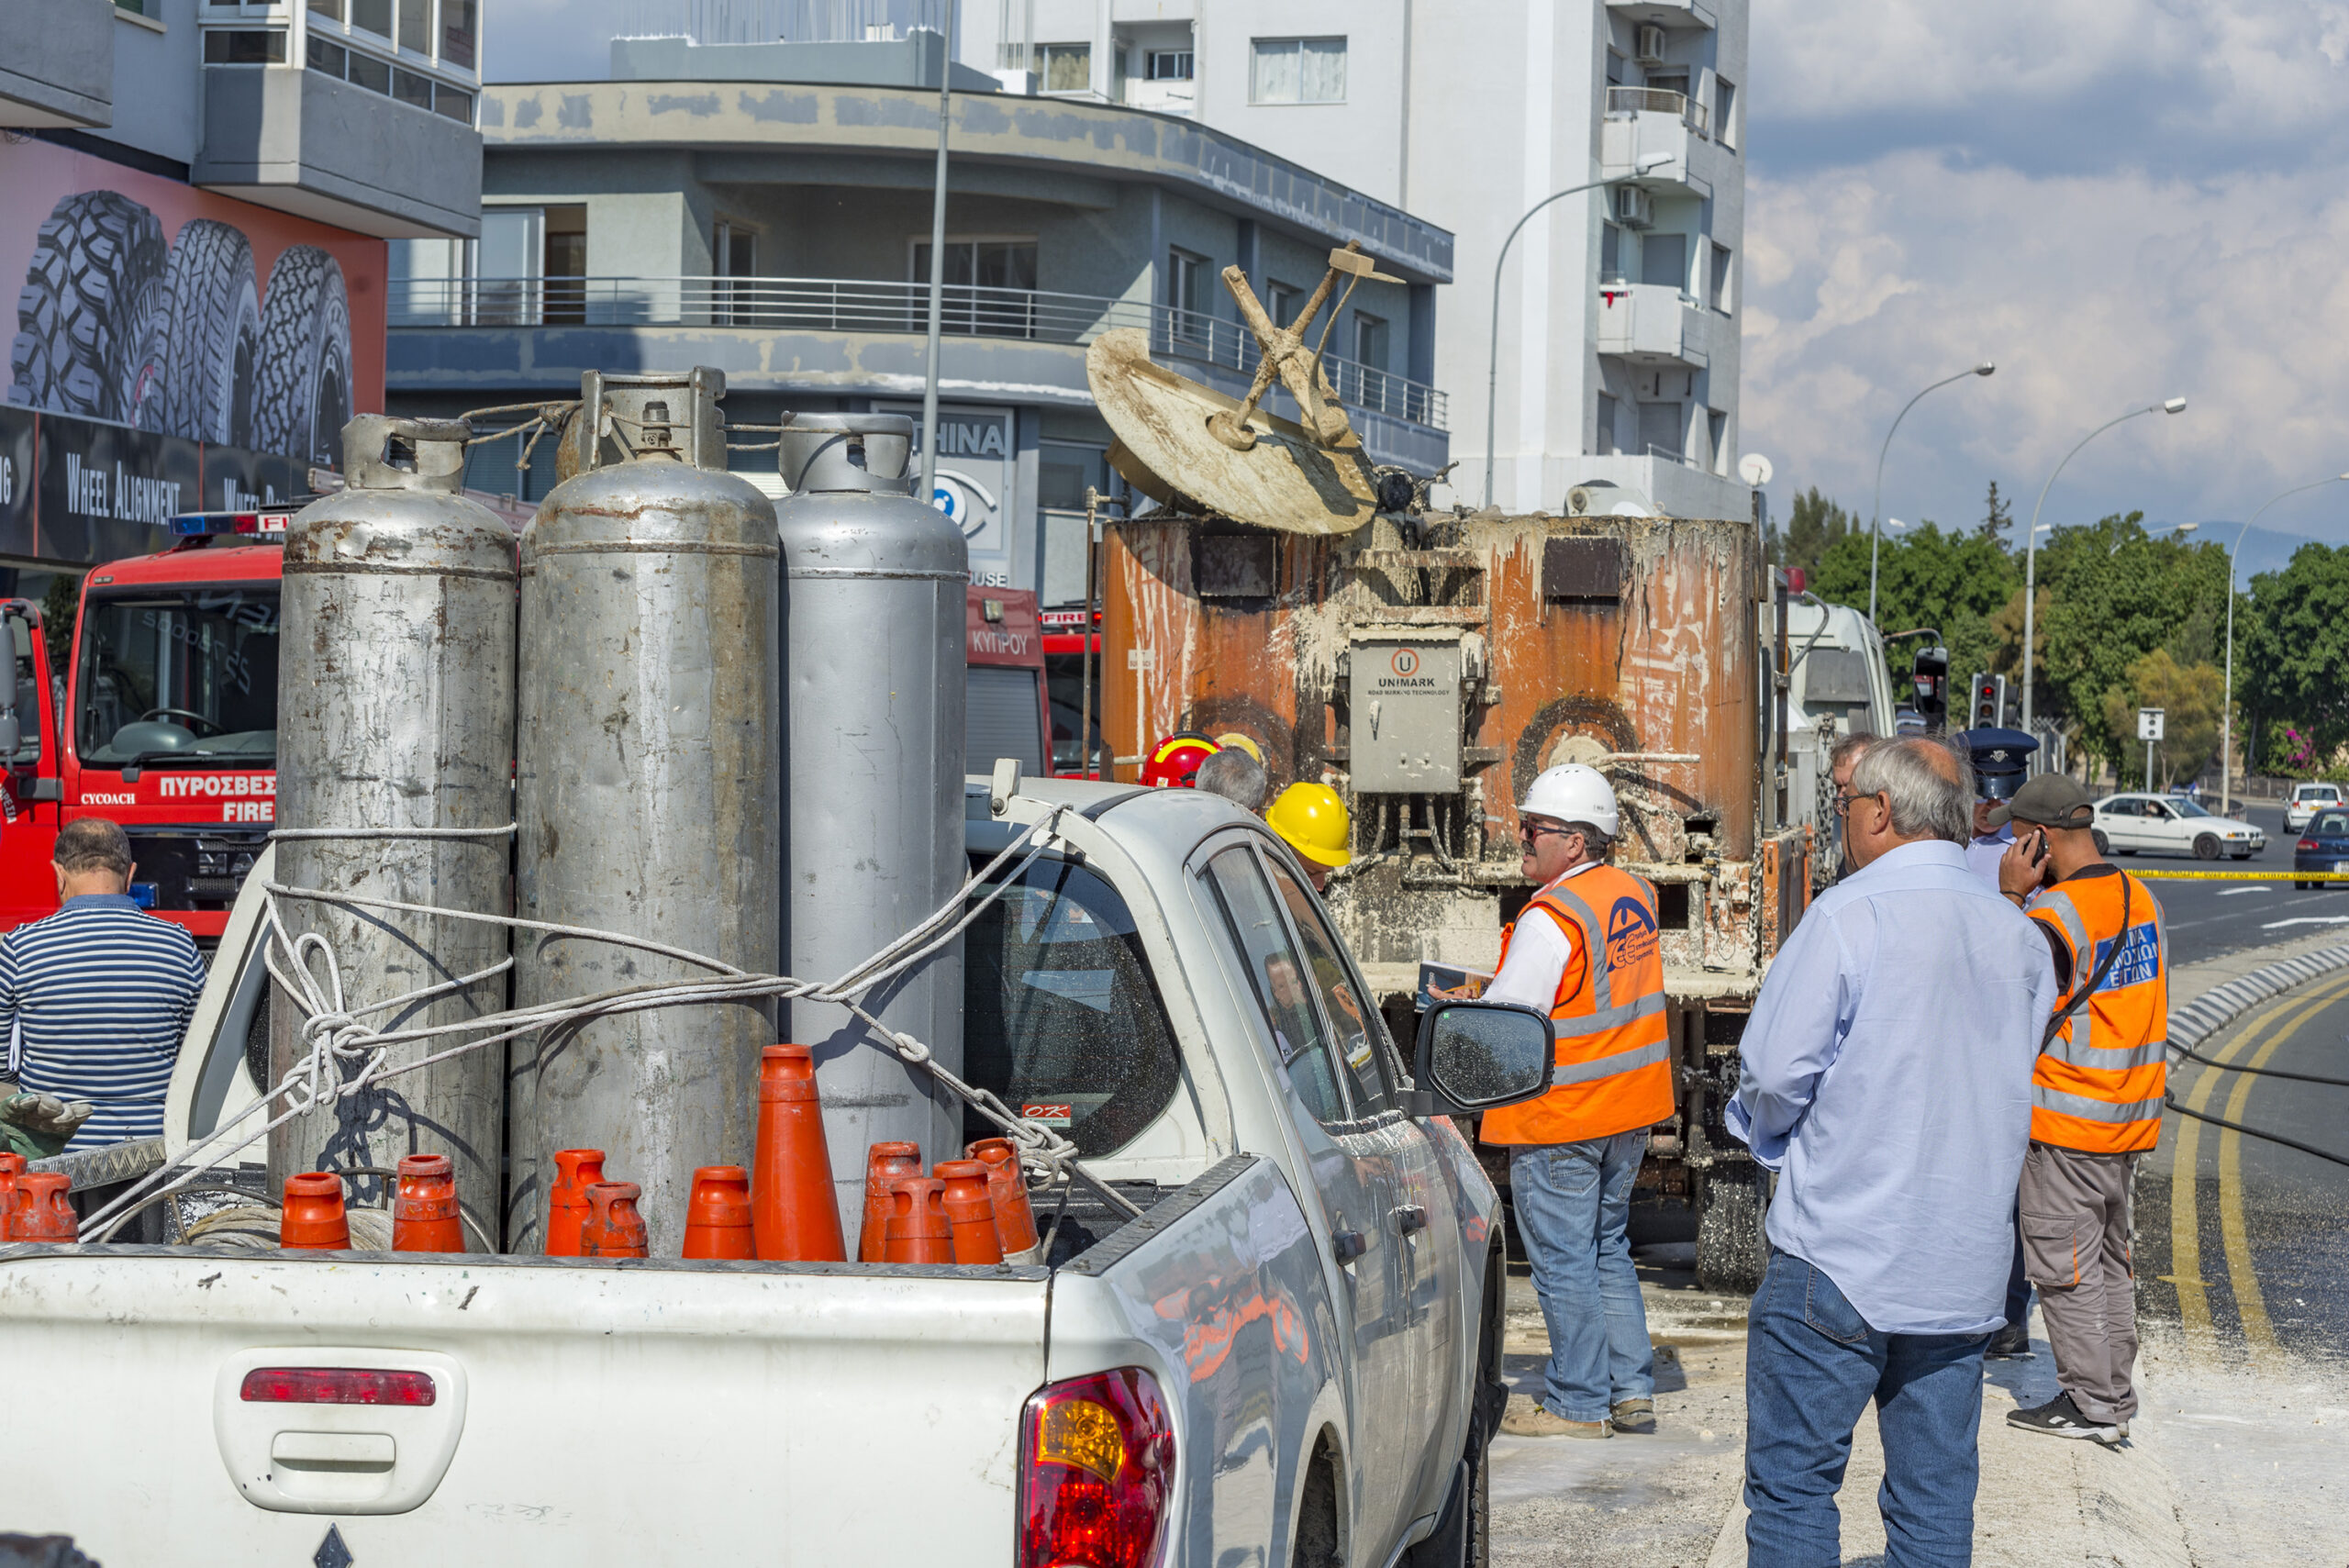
[2227, 724]
[1492, 360]
[2030, 544]
[1875, 534]
[937, 270]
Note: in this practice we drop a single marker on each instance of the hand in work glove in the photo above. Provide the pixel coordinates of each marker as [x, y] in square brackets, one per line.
[46, 1114]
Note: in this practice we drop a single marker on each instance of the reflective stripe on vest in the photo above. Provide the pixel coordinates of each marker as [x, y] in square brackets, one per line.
[2098, 1085]
[1612, 1070]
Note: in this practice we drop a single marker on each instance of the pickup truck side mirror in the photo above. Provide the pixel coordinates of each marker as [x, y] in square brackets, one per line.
[1479, 1056]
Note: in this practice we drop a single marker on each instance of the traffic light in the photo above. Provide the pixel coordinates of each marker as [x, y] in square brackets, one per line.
[1931, 676]
[1989, 702]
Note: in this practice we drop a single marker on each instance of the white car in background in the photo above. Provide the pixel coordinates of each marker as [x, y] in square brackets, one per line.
[2171, 823]
[2305, 801]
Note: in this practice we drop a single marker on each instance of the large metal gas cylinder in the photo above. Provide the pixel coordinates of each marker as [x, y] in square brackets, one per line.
[874, 686]
[649, 801]
[395, 714]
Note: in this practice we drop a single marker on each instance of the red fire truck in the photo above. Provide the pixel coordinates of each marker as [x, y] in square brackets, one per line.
[1007, 712]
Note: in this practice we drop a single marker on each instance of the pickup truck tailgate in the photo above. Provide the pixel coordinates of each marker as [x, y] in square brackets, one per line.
[586, 1413]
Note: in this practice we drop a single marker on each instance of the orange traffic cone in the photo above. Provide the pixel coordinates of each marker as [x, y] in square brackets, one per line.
[970, 1211]
[718, 1216]
[48, 1216]
[313, 1220]
[918, 1231]
[884, 1164]
[793, 1214]
[12, 1196]
[575, 1170]
[1015, 1221]
[614, 1229]
[424, 1214]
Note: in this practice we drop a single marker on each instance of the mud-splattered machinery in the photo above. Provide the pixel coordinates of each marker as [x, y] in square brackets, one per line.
[1426, 667]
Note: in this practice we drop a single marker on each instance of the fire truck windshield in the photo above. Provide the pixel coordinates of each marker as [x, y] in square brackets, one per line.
[167, 674]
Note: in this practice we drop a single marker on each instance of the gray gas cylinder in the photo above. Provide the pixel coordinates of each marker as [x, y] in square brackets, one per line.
[395, 710]
[875, 692]
[648, 798]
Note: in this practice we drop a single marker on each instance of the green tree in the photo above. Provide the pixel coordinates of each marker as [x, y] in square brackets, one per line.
[2188, 696]
[1953, 581]
[2292, 648]
[1814, 526]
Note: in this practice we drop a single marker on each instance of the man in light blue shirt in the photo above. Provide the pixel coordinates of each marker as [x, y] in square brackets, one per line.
[1885, 1077]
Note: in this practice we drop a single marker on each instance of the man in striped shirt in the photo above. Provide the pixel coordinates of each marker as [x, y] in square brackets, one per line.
[94, 1000]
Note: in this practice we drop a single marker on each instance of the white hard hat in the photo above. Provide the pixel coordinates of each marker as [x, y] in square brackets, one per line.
[1572, 793]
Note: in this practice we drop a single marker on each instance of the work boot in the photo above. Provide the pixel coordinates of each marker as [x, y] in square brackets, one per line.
[1527, 1418]
[1633, 1416]
[2012, 1342]
[2059, 1418]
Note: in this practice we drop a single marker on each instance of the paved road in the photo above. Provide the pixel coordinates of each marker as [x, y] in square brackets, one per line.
[2206, 919]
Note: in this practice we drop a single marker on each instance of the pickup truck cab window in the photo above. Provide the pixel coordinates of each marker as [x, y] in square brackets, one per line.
[1060, 1015]
[1280, 981]
[1354, 1026]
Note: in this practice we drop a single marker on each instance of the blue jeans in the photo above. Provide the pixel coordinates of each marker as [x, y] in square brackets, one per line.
[1811, 1366]
[1573, 1202]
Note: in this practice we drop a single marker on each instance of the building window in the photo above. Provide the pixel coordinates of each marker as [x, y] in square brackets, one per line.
[459, 26]
[1064, 67]
[1605, 446]
[223, 47]
[1369, 340]
[1614, 68]
[1716, 432]
[983, 264]
[375, 16]
[1660, 430]
[562, 262]
[1610, 253]
[1187, 293]
[457, 105]
[1724, 105]
[411, 88]
[330, 9]
[1281, 301]
[1719, 298]
[1167, 65]
[1298, 71]
[135, 7]
[327, 57]
[371, 73]
[416, 26]
[1664, 260]
[1674, 80]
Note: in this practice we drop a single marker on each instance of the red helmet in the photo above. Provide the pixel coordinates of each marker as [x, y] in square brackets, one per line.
[1175, 761]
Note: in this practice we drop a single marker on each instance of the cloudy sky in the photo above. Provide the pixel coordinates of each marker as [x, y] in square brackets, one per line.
[2115, 200]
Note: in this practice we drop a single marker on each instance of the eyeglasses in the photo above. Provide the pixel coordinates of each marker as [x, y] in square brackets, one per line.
[1529, 832]
[1843, 799]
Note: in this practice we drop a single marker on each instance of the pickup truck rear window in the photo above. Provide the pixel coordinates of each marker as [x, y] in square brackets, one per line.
[1061, 1016]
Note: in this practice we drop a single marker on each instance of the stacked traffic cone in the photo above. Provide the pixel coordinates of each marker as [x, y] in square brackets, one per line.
[918, 1230]
[793, 1214]
[718, 1215]
[47, 1216]
[614, 1229]
[1015, 1221]
[575, 1170]
[313, 1220]
[970, 1212]
[883, 1164]
[424, 1214]
[11, 1196]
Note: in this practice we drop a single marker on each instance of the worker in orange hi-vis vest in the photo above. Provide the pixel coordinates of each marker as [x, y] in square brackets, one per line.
[1585, 951]
[2096, 1101]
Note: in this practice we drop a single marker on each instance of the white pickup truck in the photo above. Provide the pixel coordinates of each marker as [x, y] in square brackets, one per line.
[1291, 1358]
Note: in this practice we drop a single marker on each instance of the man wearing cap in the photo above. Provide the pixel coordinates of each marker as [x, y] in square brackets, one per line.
[2095, 1100]
[2001, 758]
[1585, 951]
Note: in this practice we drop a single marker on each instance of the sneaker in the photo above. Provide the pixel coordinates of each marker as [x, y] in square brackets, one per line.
[1533, 1420]
[1633, 1416]
[2059, 1418]
[2009, 1343]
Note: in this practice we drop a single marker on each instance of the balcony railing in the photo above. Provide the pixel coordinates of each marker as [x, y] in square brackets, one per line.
[1659, 101]
[841, 304]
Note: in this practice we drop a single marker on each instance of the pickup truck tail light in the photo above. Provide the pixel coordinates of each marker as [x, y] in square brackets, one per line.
[1096, 1473]
[336, 1385]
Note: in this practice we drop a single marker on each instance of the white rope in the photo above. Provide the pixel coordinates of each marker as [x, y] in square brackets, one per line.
[341, 1056]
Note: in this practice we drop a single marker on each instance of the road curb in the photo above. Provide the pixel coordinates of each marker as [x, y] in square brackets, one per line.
[2213, 1010]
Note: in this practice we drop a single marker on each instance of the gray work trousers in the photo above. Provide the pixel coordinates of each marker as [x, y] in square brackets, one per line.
[2075, 1242]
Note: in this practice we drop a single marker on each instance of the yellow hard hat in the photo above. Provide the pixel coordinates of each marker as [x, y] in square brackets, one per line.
[1314, 821]
[1233, 737]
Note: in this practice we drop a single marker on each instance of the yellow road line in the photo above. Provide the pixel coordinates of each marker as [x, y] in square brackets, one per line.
[2185, 1233]
[2257, 1333]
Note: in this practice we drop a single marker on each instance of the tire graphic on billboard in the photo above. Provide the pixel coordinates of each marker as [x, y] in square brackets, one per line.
[211, 335]
[302, 394]
[113, 324]
[84, 315]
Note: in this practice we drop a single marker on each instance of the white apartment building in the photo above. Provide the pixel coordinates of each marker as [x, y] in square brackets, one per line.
[1618, 308]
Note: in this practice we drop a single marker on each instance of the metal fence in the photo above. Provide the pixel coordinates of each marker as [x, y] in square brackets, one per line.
[1659, 101]
[846, 305]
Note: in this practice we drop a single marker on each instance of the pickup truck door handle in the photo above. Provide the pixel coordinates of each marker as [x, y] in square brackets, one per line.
[1410, 1218]
[1347, 1245]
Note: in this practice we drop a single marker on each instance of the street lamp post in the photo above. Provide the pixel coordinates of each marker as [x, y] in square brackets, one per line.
[1876, 535]
[2031, 541]
[2227, 723]
[1492, 360]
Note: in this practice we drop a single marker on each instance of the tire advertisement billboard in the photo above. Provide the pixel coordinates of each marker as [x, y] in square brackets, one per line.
[172, 350]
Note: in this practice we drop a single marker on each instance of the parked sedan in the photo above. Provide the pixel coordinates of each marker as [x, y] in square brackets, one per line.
[2130, 824]
[2323, 846]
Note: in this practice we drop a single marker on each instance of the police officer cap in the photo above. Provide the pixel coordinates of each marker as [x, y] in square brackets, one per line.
[1998, 759]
